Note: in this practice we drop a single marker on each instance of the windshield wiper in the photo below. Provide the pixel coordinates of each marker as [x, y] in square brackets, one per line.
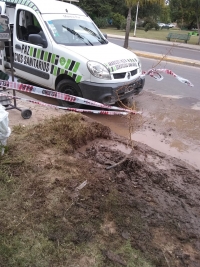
[101, 40]
[77, 34]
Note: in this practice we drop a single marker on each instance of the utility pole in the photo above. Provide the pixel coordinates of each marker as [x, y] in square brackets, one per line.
[136, 17]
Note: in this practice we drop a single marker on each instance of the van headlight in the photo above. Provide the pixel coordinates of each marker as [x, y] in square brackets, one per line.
[98, 70]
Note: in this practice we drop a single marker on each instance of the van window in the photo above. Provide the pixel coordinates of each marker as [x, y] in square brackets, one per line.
[27, 24]
[75, 32]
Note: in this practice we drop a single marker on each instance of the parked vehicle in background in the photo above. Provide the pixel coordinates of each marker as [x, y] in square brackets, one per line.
[170, 25]
[160, 24]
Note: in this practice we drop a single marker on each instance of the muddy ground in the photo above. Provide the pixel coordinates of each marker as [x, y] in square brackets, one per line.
[163, 192]
[102, 201]
[170, 125]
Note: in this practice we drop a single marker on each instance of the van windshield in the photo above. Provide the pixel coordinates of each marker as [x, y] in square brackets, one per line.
[73, 32]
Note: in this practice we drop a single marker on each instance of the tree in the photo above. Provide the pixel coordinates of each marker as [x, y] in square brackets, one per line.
[130, 4]
[96, 8]
[102, 8]
[165, 14]
[186, 12]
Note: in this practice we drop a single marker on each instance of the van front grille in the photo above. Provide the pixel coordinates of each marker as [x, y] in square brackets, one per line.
[119, 75]
[123, 74]
[133, 72]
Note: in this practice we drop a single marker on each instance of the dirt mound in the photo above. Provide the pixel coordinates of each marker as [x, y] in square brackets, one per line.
[74, 194]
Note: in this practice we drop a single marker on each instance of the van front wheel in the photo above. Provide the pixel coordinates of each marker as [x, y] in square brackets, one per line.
[71, 88]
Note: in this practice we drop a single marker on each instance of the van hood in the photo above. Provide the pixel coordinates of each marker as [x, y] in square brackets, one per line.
[113, 56]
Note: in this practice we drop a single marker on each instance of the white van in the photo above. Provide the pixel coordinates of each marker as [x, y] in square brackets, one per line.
[56, 45]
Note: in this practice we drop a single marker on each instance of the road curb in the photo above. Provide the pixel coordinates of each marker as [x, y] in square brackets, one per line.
[183, 61]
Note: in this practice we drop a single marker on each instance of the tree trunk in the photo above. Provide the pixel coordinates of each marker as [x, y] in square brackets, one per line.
[128, 26]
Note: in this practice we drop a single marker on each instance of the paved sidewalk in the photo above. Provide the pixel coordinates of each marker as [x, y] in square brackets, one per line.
[178, 60]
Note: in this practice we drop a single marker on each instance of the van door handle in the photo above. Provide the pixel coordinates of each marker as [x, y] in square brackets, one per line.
[17, 46]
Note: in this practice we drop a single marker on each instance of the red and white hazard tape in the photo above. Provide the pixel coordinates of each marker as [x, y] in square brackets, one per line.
[155, 73]
[57, 95]
[102, 112]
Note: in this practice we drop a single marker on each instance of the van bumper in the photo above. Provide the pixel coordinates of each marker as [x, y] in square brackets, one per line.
[110, 93]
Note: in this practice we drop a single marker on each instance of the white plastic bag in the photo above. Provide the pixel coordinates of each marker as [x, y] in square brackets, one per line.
[5, 131]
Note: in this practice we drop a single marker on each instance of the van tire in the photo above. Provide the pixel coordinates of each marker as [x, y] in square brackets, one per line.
[71, 88]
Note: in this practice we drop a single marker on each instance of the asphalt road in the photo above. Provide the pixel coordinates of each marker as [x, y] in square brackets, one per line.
[170, 86]
[163, 49]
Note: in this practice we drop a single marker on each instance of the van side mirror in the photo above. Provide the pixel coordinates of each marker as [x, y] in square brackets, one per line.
[37, 40]
[105, 35]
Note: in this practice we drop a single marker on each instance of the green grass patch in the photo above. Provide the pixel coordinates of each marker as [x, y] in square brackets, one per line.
[133, 257]
[152, 34]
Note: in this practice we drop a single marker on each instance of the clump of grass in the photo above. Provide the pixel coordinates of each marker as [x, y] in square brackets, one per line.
[67, 132]
[132, 256]
[18, 129]
[26, 249]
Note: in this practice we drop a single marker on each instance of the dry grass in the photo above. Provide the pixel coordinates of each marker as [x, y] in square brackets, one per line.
[44, 221]
[68, 132]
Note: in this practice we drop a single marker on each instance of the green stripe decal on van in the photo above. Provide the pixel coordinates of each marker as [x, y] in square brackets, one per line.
[69, 67]
[53, 58]
[46, 55]
[78, 79]
[38, 53]
[68, 63]
[55, 70]
[31, 51]
[76, 66]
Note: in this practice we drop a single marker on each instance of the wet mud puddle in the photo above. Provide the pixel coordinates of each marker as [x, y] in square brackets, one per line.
[114, 145]
[172, 147]
[159, 139]
[169, 124]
